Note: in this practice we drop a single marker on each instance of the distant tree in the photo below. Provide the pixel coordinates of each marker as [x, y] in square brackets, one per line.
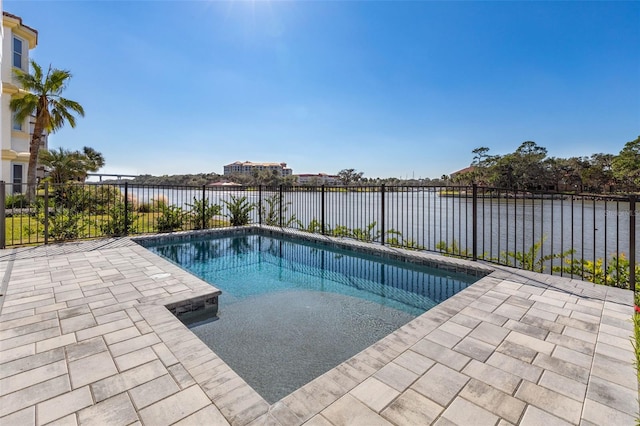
[42, 98]
[626, 166]
[598, 172]
[349, 176]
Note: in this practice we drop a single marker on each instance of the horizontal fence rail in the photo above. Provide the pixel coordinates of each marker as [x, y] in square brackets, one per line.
[591, 237]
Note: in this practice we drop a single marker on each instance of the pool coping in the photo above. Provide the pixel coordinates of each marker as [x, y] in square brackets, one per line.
[363, 384]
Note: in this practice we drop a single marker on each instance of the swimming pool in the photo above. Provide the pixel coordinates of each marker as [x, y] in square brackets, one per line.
[292, 310]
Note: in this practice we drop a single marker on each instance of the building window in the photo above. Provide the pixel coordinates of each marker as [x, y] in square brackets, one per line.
[17, 178]
[17, 125]
[17, 52]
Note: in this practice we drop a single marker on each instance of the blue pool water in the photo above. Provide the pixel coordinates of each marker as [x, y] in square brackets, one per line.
[290, 311]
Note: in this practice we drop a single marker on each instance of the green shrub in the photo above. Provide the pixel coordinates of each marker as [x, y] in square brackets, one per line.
[202, 213]
[64, 224]
[616, 272]
[115, 224]
[238, 210]
[271, 214]
[16, 201]
[172, 218]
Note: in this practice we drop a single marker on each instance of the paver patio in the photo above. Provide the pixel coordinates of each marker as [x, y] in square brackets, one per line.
[85, 338]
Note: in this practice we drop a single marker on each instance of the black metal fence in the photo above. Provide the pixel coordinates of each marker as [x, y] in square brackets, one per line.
[591, 237]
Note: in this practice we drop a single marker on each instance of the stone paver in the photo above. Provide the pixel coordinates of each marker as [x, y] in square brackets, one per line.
[85, 339]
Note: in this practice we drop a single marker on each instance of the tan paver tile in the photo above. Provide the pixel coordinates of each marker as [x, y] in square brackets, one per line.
[134, 359]
[614, 396]
[415, 362]
[489, 333]
[210, 415]
[69, 420]
[102, 329]
[32, 395]
[493, 400]
[91, 369]
[465, 320]
[463, 412]
[440, 384]
[574, 357]
[116, 384]
[27, 320]
[316, 420]
[564, 368]
[396, 376]
[63, 405]
[181, 376]
[113, 316]
[18, 352]
[284, 415]
[571, 343]
[121, 335]
[601, 414]
[26, 417]
[116, 411]
[587, 336]
[165, 355]
[375, 394]
[69, 325]
[563, 385]
[85, 348]
[242, 405]
[349, 411]
[175, 407]
[412, 408]
[33, 376]
[553, 402]
[131, 345]
[475, 348]
[515, 366]
[530, 342]
[495, 377]
[27, 363]
[533, 416]
[37, 336]
[55, 342]
[441, 354]
[153, 391]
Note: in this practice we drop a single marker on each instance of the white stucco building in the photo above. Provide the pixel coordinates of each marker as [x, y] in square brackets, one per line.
[17, 40]
[318, 179]
[248, 167]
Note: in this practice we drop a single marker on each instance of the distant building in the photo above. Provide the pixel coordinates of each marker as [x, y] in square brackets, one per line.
[318, 179]
[248, 168]
[15, 137]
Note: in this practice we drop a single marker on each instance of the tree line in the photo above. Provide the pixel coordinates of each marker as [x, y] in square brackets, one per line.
[529, 168]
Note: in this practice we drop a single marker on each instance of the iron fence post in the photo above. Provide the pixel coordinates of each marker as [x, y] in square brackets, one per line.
[475, 221]
[280, 207]
[126, 208]
[322, 210]
[260, 204]
[3, 215]
[46, 212]
[204, 207]
[382, 213]
[632, 242]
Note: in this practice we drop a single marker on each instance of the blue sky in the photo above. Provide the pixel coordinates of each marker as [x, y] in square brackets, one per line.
[392, 89]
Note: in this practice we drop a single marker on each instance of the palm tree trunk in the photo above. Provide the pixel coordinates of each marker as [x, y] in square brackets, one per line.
[34, 149]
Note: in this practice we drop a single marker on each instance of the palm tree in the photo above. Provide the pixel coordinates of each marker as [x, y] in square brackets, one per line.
[93, 161]
[41, 97]
[64, 165]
